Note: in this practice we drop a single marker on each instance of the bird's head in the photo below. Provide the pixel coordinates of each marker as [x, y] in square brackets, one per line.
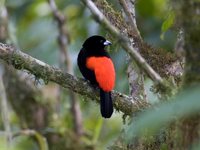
[96, 43]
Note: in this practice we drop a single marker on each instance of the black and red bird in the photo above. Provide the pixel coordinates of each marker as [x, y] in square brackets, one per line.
[96, 66]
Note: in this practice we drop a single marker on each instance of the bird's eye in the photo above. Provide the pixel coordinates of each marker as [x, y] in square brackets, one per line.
[101, 41]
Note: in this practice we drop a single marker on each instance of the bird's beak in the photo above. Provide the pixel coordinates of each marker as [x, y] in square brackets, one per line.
[107, 43]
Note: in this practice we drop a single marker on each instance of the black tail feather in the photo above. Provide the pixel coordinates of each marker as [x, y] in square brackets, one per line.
[106, 104]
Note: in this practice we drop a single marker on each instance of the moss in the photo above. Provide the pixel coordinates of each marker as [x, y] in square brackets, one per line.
[17, 62]
[158, 58]
[20, 64]
[115, 17]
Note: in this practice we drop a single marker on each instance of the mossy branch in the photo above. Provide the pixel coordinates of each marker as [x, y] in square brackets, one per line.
[124, 43]
[22, 61]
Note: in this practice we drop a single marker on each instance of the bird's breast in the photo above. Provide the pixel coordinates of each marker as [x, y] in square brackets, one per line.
[104, 71]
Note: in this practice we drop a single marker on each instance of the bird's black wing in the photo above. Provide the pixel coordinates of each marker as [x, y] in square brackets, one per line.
[87, 73]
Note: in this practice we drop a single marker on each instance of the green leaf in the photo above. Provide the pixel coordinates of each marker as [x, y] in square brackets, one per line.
[167, 24]
[41, 141]
[149, 122]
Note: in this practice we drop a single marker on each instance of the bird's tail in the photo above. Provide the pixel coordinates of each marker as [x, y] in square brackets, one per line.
[106, 104]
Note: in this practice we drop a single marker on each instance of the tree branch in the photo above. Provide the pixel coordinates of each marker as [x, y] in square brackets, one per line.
[129, 10]
[135, 75]
[42, 70]
[124, 42]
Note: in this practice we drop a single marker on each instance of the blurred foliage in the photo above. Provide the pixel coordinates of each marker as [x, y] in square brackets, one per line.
[33, 29]
[167, 23]
[151, 15]
[19, 143]
[151, 121]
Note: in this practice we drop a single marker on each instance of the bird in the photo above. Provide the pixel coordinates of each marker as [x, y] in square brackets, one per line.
[96, 65]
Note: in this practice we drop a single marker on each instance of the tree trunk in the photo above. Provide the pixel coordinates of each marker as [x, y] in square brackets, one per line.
[188, 18]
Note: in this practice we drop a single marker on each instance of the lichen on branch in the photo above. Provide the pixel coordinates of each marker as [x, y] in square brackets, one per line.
[22, 61]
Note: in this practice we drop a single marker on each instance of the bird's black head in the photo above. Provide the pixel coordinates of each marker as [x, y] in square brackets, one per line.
[96, 43]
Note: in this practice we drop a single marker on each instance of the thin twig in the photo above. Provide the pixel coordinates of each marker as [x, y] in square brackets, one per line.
[66, 64]
[4, 110]
[23, 61]
[124, 43]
